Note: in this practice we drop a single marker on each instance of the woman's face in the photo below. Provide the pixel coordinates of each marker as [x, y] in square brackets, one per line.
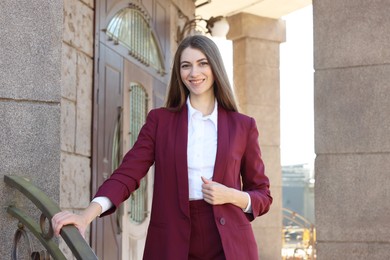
[196, 73]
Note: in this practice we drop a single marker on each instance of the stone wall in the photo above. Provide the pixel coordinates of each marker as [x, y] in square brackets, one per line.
[352, 128]
[30, 91]
[76, 105]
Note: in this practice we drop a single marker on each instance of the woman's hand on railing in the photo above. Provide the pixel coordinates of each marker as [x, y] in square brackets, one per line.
[81, 221]
[64, 218]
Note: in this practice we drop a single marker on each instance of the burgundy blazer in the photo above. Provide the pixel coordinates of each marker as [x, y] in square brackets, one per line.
[163, 141]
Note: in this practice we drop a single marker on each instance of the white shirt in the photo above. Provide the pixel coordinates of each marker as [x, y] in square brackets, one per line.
[201, 148]
[201, 153]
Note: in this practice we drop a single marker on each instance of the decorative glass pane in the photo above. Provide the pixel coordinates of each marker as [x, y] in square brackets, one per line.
[138, 111]
[116, 155]
[130, 27]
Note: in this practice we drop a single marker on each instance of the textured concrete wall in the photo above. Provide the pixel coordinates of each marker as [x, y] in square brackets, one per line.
[352, 128]
[30, 90]
[256, 84]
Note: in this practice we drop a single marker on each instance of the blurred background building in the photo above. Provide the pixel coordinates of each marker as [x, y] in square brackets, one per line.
[298, 190]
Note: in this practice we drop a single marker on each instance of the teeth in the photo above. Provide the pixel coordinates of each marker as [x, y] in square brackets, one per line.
[196, 81]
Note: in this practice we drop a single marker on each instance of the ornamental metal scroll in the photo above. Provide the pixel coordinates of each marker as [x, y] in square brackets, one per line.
[48, 208]
[33, 255]
[21, 232]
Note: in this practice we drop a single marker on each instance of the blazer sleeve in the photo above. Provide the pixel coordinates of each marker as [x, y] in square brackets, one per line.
[254, 180]
[135, 165]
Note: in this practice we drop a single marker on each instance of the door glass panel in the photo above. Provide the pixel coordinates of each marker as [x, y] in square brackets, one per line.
[116, 155]
[137, 117]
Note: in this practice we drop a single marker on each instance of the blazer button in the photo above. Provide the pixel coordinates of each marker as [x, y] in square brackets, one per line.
[222, 221]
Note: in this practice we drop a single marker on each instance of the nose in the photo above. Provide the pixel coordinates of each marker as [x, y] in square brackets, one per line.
[194, 71]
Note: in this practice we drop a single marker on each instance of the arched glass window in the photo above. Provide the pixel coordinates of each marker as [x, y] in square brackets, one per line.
[130, 27]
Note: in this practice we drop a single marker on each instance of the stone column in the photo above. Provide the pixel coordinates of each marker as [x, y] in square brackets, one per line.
[352, 128]
[30, 93]
[256, 84]
[76, 108]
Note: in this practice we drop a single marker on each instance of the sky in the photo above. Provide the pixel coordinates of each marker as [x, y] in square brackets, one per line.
[296, 87]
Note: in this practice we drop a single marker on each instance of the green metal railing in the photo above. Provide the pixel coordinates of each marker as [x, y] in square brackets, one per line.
[72, 237]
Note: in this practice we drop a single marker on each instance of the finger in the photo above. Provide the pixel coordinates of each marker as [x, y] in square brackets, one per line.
[56, 227]
[206, 193]
[55, 223]
[61, 219]
[209, 200]
[205, 180]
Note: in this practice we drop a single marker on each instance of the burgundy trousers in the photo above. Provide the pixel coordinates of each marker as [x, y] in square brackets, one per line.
[205, 243]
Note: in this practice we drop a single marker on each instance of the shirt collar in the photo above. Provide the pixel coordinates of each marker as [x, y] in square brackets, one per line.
[213, 116]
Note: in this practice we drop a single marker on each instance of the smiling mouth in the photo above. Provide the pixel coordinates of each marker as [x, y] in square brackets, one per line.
[198, 81]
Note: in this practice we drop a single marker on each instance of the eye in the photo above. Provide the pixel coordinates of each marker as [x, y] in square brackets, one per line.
[204, 63]
[185, 66]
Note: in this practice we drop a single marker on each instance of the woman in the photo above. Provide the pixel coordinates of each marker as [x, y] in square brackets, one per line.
[209, 177]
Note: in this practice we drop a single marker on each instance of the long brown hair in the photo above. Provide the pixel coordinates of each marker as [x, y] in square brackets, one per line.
[178, 92]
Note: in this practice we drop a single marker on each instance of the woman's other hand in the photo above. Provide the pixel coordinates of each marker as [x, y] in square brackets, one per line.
[215, 193]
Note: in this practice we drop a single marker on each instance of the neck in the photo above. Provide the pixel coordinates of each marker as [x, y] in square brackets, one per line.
[203, 104]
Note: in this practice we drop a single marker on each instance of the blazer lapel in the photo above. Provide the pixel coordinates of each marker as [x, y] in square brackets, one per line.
[181, 160]
[222, 146]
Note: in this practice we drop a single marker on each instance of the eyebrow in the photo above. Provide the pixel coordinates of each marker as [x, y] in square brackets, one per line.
[202, 59]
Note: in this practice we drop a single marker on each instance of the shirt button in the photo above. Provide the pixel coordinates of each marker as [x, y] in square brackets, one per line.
[222, 221]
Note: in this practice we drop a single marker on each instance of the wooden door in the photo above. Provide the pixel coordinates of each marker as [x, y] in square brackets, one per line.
[137, 101]
[118, 236]
[106, 234]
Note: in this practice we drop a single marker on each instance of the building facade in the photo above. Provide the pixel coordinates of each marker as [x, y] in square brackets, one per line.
[298, 190]
[68, 86]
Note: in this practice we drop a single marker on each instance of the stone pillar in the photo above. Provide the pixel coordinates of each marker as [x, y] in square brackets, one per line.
[256, 84]
[30, 93]
[352, 128]
[76, 108]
